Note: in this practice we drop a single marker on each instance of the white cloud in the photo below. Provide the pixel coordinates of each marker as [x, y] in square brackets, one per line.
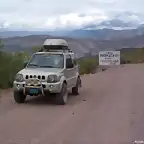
[49, 14]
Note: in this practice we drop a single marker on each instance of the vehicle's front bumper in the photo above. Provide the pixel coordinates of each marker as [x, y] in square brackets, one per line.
[46, 87]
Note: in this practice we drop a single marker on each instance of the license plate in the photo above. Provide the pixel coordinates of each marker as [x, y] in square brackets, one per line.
[34, 91]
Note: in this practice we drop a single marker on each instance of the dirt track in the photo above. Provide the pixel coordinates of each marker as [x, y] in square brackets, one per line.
[109, 110]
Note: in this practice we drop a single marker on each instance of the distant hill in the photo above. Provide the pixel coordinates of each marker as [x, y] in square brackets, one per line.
[88, 32]
[81, 47]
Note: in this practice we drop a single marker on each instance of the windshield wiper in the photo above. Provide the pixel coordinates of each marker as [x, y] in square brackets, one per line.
[47, 66]
[35, 65]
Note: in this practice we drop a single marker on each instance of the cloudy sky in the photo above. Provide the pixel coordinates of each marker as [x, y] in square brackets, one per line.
[49, 14]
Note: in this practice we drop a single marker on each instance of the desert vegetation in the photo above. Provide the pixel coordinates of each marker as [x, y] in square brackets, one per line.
[11, 63]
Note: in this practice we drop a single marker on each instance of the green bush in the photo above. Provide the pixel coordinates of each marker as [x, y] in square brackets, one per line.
[88, 65]
[12, 63]
[133, 56]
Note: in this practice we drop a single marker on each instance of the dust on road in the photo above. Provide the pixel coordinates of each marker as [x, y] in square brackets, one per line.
[109, 110]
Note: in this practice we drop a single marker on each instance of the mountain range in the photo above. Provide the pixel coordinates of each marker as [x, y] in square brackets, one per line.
[99, 34]
[88, 40]
[81, 47]
[108, 29]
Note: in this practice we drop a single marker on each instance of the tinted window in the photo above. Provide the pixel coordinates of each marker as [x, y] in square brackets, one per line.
[69, 61]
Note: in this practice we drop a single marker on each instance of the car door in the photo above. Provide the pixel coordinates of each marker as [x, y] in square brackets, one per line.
[69, 71]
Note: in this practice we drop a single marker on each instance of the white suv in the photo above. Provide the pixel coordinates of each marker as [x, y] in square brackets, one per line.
[53, 70]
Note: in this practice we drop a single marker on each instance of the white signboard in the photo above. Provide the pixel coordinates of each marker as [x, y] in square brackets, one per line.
[109, 58]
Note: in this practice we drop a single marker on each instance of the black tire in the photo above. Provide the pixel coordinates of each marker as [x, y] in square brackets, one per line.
[61, 98]
[19, 97]
[75, 90]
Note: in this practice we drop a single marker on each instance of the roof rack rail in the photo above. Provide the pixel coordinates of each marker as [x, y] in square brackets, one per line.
[69, 50]
[55, 49]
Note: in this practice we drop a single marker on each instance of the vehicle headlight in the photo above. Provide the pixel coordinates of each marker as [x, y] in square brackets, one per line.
[52, 79]
[19, 78]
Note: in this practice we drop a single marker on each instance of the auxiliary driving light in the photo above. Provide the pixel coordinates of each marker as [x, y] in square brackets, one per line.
[18, 86]
[51, 87]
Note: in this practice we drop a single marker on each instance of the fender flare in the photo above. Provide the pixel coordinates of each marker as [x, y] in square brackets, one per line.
[62, 80]
[77, 76]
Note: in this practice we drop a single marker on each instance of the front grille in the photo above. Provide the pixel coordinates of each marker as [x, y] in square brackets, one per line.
[35, 76]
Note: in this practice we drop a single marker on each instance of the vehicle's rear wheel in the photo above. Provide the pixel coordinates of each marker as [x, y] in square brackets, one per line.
[19, 97]
[75, 90]
[61, 98]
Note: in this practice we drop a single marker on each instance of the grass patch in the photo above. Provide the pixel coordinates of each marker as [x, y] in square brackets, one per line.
[133, 55]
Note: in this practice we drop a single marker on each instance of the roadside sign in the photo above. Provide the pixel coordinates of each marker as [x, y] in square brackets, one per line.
[109, 58]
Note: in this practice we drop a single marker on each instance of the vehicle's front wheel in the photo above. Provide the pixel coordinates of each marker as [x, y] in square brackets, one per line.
[75, 90]
[61, 98]
[19, 97]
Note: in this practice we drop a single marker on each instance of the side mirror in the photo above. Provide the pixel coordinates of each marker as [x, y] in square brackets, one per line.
[25, 63]
[69, 65]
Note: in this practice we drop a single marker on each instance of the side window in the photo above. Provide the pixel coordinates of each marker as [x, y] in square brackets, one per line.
[69, 62]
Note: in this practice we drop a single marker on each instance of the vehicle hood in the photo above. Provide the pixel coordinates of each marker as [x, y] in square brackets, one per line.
[40, 71]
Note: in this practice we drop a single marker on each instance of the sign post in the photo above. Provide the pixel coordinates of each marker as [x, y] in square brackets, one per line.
[109, 58]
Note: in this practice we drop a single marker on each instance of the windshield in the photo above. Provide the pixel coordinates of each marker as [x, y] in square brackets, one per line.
[47, 61]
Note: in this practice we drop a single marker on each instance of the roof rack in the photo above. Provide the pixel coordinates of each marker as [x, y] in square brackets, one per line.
[55, 49]
[57, 42]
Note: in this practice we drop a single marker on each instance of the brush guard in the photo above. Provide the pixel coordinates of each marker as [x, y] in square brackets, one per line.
[33, 83]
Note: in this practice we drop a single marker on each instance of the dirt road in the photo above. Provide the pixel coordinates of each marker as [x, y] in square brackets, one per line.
[109, 110]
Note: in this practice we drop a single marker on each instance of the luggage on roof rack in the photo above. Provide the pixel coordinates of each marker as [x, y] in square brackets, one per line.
[55, 45]
[61, 42]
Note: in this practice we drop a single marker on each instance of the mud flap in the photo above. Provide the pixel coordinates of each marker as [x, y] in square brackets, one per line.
[80, 83]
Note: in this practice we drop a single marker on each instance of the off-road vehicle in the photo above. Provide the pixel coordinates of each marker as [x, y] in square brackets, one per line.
[51, 70]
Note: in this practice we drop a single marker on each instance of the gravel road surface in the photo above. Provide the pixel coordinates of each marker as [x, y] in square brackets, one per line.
[109, 110]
